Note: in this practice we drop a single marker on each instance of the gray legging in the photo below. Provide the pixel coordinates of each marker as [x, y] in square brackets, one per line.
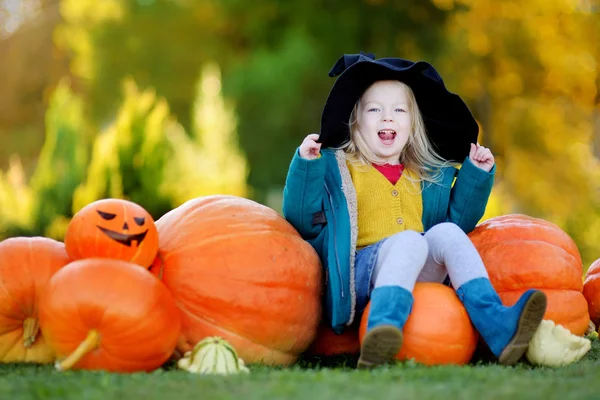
[408, 257]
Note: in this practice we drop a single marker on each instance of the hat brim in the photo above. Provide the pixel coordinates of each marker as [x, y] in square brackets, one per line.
[450, 126]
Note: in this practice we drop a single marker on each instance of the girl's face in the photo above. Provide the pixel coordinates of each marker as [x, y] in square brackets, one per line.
[384, 120]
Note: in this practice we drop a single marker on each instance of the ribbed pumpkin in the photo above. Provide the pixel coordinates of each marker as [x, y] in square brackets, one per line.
[26, 266]
[113, 228]
[240, 271]
[522, 252]
[438, 330]
[329, 343]
[591, 291]
[103, 314]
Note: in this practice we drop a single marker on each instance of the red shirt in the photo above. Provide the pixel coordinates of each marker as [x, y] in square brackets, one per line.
[391, 172]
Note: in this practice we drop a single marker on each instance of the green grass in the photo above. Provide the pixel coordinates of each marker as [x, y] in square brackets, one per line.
[314, 379]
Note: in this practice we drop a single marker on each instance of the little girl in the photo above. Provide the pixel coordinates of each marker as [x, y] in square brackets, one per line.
[379, 196]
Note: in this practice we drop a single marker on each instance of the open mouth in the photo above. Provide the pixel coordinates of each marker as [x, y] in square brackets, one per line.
[387, 136]
[124, 238]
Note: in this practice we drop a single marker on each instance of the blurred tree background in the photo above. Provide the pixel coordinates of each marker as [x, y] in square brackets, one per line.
[159, 101]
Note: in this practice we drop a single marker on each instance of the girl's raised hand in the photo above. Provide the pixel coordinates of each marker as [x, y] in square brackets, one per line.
[481, 157]
[309, 149]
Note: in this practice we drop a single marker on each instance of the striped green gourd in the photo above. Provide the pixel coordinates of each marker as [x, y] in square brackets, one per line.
[212, 355]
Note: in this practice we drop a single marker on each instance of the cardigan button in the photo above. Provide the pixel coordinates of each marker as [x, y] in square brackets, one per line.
[400, 221]
[394, 193]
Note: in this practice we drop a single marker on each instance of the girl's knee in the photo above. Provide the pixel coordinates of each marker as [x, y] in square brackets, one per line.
[411, 240]
[446, 229]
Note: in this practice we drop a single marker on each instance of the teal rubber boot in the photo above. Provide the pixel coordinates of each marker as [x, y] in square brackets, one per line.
[389, 310]
[506, 330]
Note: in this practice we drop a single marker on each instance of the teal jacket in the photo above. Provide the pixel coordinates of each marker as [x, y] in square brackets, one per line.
[319, 200]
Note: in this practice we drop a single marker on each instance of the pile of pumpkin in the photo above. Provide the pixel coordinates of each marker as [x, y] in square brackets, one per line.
[124, 293]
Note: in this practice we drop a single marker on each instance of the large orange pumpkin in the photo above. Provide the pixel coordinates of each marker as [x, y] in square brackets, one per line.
[329, 343]
[522, 252]
[238, 270]
[591, 291]
[109, 315]
[438, 330]
[113, 228]
[26, 266]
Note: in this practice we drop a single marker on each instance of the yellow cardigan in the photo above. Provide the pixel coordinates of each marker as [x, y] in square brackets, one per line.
[383, 208]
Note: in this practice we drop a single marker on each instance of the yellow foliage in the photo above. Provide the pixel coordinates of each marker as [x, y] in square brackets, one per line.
[57, 228]
[79, 16]
[210, 162]
[16, 200]
[444, 4]
[529, 72]
[499, 203]
[103, 176]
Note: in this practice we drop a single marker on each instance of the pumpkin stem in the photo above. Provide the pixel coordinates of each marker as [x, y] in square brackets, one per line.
[591, 328]
[31, 327]
[91, 342]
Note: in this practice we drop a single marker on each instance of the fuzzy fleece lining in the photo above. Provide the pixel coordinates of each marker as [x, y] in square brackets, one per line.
[350, 195]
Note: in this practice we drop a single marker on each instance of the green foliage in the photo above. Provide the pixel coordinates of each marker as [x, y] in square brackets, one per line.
[15, 201]
[144, 156]
[275, 56]
[207, 161]
[528, 70]
[129, 157]
[62, 161]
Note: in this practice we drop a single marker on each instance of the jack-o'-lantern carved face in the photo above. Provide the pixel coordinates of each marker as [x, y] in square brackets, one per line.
[123, 234]
[113, 228]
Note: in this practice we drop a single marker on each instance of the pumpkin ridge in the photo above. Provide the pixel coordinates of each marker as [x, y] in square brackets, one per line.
[591, 278]
[274, 353]
[484, 246]
[498, 253]
[125, 332]
[84, 319]
[18, 323]
[32, 288]
[301, 287]
[184, 310]
[215, 238]
[135, 364]
[593, 269]
[231, 333]
[574, 318]
[13, 346]
[10, 296]
[280, 317]
[109, 354]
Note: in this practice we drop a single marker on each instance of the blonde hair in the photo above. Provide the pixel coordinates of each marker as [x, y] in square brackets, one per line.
[418, 154]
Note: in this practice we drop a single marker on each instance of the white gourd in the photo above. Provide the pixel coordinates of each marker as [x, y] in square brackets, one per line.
[212, 355]
[554, 346]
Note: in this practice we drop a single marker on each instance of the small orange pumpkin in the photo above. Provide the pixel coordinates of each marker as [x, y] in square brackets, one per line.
[522, 252]
[113, 228]
[104, 314]
[438, 330]
[591, 291]
[26, 266]
[329, 343]
[238, 270]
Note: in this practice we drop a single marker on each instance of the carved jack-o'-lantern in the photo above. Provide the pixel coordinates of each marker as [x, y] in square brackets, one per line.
[113, 228]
